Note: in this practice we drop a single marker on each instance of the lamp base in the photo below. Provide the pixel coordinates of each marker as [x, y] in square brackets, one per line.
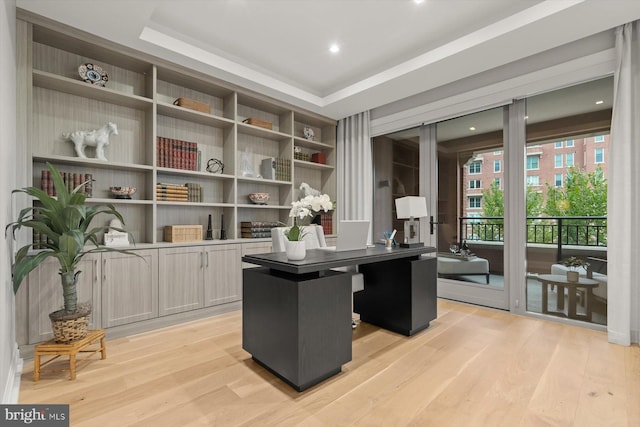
[412, 245]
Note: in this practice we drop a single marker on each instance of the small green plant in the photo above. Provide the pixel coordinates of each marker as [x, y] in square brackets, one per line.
[574, 263]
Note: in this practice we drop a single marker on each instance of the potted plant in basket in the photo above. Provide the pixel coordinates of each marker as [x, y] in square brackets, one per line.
[301, 212]
[573, 264]
[65, 221]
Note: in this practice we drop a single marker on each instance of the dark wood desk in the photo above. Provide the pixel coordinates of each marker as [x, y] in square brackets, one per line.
[560, 280]
[296, 315]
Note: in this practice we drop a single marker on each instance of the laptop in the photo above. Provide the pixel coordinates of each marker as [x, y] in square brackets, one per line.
[353, 236]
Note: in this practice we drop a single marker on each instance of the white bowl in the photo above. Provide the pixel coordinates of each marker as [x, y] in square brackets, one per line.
[259, 198]
[122, 192]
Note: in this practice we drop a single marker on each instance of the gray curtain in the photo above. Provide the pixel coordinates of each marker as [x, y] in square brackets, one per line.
[623, 211]
[355, 168]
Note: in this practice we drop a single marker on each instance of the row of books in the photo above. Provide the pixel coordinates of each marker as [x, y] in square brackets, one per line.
[326, 222]
[177, 154]
[189, 192]
[283, 169]
[39, 240]
[71, 180]
[257, 229]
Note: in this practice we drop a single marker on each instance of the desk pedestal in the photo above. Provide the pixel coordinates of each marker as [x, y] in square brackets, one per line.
[399, 295]
[297, 326]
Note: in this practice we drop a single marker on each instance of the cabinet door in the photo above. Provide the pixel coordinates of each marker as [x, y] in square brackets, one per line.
[181, 279]
[45, 294]
[223, 274]
[255, 248]
[129, 287]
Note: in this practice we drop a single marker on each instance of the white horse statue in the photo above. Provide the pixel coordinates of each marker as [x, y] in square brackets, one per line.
[98, 138]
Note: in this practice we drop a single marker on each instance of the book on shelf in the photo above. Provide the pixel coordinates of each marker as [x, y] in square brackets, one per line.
[70, 179]
[259, 224]
[255, 234]
[256, 229]
[176, 154]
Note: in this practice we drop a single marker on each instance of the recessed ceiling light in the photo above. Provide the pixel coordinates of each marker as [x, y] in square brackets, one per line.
[418, 1]
[599, 102]
[334, 48]
[472, 128]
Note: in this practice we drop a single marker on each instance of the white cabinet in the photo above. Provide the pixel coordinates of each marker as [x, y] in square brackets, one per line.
[198, 276]
[181, 279]
[45, 294]
[255, 248]
[129, 287]
[223, 274]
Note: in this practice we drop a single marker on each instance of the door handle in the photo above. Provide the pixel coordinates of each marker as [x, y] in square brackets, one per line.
[431, 224]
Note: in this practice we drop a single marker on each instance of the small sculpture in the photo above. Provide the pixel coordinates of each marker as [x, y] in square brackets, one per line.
[114, 237]
[98, 138]
[307, 190]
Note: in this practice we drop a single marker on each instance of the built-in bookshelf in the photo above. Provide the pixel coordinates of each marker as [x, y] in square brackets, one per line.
[160, 145]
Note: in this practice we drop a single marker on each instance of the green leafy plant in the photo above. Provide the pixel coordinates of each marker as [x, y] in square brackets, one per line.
[65, 220]
[574, 263]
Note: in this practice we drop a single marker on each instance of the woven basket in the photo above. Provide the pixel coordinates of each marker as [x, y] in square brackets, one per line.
[66, 331]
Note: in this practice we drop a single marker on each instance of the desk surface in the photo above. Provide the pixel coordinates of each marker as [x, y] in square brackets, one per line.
[318, 260]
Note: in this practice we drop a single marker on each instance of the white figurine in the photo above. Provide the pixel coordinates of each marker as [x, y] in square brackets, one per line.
[114, 237]
[98, 138]
[307, 190]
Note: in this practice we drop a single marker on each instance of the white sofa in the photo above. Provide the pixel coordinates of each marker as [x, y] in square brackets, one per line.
[600, 291]
[449, 266]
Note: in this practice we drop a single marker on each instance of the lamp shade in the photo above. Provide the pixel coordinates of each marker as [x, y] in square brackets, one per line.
[411, 207]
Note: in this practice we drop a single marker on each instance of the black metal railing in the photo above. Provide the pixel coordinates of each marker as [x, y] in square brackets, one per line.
[558, 231]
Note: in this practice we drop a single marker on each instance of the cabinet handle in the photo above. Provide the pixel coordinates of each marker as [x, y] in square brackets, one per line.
[207, 254]
[201, 260]
[104, 269]
[95, 266]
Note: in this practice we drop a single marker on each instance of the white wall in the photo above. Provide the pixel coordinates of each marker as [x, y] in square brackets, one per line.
[10, 363]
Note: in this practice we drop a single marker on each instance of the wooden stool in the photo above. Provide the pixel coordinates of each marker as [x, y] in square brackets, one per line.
[52, 348]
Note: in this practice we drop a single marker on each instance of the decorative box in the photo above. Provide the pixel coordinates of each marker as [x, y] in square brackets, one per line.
[193, 105]
[319, 158]
[182, 233]
[257, 122]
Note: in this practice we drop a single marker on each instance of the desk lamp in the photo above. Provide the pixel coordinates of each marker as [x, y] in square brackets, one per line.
[411, 207]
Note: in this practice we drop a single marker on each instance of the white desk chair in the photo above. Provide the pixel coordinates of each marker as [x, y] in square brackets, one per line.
[314, 238]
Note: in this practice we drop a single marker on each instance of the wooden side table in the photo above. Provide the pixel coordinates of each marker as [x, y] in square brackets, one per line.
[54, 349]
[561, 282]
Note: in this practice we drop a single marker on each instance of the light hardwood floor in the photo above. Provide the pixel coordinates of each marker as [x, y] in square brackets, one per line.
[472, 367]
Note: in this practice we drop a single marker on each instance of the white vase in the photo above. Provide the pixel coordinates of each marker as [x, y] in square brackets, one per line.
[295, 251]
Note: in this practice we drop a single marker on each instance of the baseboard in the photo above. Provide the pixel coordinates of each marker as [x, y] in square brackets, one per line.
[618, 338]
[12, 386]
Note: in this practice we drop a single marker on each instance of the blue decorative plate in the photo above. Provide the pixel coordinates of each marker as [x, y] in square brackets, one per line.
[92, 73]
[308, 133]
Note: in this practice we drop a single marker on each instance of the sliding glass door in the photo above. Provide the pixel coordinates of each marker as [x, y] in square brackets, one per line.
[469, 210]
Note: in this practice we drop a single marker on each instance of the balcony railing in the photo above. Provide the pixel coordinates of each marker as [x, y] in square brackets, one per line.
[548, 230]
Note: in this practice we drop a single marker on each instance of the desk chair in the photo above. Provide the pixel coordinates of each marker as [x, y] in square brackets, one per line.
[314, 238]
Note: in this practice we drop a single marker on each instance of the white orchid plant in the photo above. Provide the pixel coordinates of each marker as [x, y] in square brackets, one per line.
[308, 206]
